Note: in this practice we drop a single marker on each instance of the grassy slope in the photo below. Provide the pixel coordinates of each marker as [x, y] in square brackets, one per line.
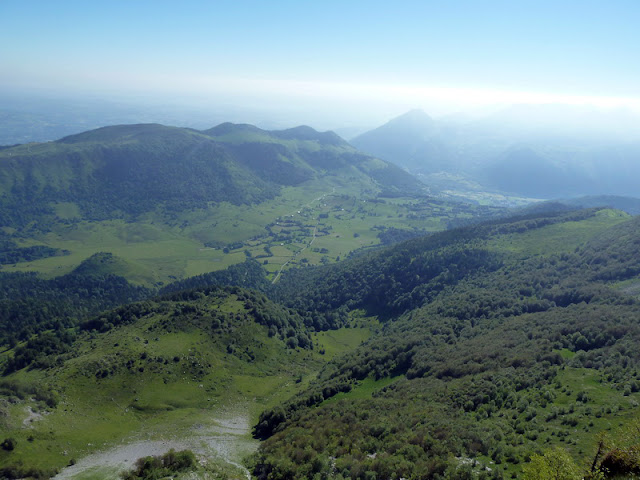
[179, 375]
[169, 397]
[560, 238]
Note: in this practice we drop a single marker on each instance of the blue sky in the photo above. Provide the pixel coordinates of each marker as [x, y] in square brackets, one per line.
[441, 56]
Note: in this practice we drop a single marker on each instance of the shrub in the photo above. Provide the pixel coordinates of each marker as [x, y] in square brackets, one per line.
[166, 465]
[8, 444]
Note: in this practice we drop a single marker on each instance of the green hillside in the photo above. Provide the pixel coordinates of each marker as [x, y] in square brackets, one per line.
[172, 203]
[129, 170]
[316, 311]
[168, 370]
[485, 348]
[481, 364]
[30, 304]
[628, 204]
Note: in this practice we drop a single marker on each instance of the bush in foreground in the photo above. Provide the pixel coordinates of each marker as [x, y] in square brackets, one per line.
[154, 467]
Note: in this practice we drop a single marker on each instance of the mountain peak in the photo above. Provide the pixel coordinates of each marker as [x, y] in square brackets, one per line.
[410, 141]
[415, 124]
[415, 118]
[415, 114]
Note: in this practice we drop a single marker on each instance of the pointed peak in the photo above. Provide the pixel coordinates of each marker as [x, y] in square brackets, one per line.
[412, 126]
[414, 117]
[413, 122]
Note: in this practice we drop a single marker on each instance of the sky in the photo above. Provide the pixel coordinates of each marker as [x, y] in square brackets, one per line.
[349, 59]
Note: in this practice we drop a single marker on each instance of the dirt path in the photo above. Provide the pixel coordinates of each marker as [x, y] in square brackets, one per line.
[315, 232]
[225, 439]
[293, 257]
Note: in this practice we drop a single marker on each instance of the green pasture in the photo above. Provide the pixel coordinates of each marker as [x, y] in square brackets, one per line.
[157, 249]
[562, 237]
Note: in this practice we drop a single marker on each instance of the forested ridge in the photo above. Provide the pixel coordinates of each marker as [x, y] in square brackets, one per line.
[127, 170]
[480, 362]
[395, 279]
[500, 345]
[30, 304]
[10, 252]
[248, 274]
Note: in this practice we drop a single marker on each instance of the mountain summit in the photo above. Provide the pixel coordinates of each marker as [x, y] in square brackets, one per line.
[410, 140]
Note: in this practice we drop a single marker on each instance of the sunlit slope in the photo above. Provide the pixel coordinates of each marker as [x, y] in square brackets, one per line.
[128, 170]
[168, 200]
[500, 341]
[496, 341]
[160, 369]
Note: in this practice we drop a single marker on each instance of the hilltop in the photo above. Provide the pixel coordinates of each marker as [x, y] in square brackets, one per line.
[412, 140]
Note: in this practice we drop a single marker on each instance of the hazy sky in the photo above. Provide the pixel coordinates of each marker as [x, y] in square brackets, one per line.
[437, 55]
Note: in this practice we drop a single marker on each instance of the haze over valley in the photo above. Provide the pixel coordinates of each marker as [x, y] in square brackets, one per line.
[294, 241]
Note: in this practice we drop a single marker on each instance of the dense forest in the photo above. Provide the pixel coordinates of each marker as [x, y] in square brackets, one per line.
[479, 353]
[31, 304]
[501, 348]
[248, 274]
[11, 253]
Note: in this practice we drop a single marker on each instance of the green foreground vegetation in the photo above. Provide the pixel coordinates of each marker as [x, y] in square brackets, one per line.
[493, 358]
[157, 370]
[466, 354]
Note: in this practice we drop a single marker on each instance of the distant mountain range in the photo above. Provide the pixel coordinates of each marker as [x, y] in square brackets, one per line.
[412, 140]
[127, 170]
[515, 152]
